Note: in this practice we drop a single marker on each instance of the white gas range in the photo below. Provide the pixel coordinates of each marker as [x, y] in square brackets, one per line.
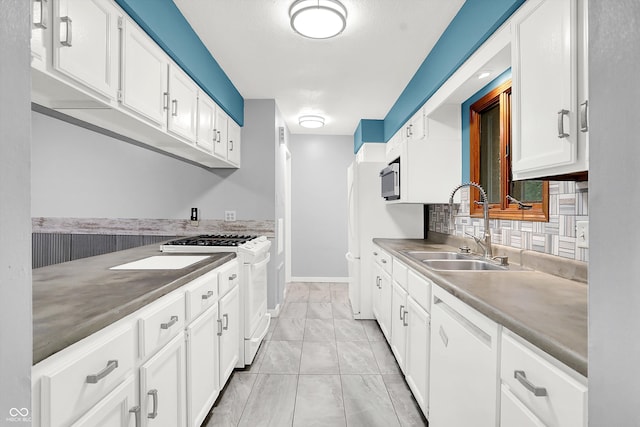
[253, 256]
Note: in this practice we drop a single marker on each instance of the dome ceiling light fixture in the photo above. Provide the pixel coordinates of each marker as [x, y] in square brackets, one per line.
[311, 122]
[318, 19]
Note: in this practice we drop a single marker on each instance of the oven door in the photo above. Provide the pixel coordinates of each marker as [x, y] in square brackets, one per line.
[256, 294]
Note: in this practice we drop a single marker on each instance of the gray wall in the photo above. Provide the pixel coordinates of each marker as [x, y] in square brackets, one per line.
[319, 204]
[15, 223]
[84, 174]
[614, 199]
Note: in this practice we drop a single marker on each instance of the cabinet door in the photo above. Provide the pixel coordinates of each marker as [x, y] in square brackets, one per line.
[230, 332]
[184, 104]
[206, 133]
[234, 134]
[544, 122]
[513, 413]
[398, 324]
[203, 366]
[85, 43]
[385, 304]
[220, 147]
[118, 409]
[144, 76]
[417, 359]
[40, 33]
[417, 129]
[162, 386]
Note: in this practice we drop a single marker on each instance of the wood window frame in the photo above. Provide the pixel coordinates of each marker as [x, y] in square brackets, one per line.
[504, 209]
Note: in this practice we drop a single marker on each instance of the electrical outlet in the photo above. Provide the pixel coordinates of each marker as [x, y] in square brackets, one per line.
[229, 215]
[582, 234]
[194, 214]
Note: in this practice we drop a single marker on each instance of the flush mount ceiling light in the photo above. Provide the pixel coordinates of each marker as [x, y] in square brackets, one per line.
[318, 19]
[484, 74]
[311, 122]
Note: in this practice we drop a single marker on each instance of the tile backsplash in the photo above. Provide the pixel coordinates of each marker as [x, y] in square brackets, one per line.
[568, 203]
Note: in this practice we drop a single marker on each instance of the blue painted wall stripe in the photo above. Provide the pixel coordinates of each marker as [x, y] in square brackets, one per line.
[164, 23]
[466, 118]
[472, 26]
[368, 131]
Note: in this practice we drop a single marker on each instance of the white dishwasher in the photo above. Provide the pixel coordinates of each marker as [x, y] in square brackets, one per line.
[464, 365]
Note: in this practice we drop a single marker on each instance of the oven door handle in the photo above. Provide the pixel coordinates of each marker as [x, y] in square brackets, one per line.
[261, 264]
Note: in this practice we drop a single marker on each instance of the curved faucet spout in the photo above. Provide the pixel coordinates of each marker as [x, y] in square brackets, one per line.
[486, 247]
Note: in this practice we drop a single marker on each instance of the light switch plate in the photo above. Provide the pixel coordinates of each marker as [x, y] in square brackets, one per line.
[582, 234]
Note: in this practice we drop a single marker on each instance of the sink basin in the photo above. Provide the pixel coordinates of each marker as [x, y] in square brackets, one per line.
[462, 264]
[424, 255]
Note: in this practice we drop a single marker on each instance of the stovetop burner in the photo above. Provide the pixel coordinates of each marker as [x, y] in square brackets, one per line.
[213, 240]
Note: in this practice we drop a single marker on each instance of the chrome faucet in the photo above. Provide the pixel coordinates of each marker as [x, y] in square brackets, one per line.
[485, 243]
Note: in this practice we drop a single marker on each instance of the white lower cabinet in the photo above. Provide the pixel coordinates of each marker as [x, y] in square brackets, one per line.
[550, 392]
[118, 409]
[464, 365]
[229, 332]
[382, 300]
[399, 324]
[168, 374]
[203, 366]
[162, 386]
[417, 358]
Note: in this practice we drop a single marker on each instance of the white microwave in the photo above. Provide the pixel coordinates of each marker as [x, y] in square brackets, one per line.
[390, 181]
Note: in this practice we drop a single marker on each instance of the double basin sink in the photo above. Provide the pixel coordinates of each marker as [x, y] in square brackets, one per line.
[453, 261]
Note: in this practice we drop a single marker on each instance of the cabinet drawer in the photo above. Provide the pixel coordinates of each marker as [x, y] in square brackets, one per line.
[201, 294]
[420, 290]
[86, 376]
[228, 277]
[160, 322]
[400, 273]
[563, 402]
[384, 259]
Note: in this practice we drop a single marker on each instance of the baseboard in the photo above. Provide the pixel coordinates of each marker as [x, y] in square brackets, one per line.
[276, 311]
[321, 279]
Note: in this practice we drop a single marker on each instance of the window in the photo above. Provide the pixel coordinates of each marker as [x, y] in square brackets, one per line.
[490, 145]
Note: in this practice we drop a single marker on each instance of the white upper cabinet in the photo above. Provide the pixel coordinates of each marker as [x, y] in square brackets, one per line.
[183, 107]
[40, 33]
[548, 68]
[144, 75]
[206, 127]
[234, 136]
[85, 43]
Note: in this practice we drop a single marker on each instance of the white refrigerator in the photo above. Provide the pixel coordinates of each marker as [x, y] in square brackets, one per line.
[371, 216]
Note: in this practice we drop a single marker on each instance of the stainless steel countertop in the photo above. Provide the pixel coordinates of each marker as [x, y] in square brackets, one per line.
[548, 311]
[74, 299]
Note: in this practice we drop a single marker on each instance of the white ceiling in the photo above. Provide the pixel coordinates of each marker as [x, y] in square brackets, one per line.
[358, 74]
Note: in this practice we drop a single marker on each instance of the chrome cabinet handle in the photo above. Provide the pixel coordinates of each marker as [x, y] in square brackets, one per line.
[174, 107]
[226, 322]
[522, 378]
[384, 261]
[233, 276]
[165, 102]
[404, 318]
[154, 394]
[561, 132]
[111, 365]
[44, 9]
[69, 31]
[136, 411]
[401, 311]
[218, 139]
[375, 253]
[207, 295]
[219, 327]
[443, 336]
[173, 321]
[231, 143]
[411, 130]
[584, 121]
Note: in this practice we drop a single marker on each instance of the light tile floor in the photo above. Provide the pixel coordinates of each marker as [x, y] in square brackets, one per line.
[318, 367]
